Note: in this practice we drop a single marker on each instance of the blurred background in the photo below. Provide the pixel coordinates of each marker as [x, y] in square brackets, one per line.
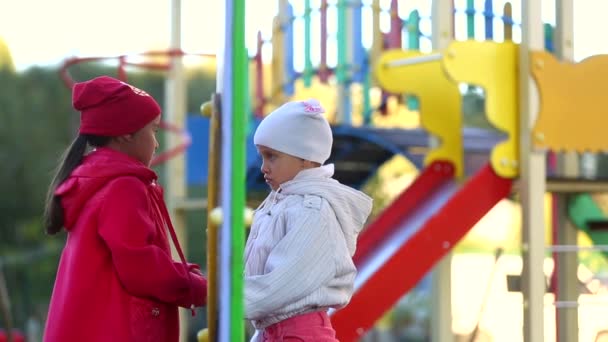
[45, 45]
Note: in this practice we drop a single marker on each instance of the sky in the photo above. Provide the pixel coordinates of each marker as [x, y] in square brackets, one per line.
[45, 32]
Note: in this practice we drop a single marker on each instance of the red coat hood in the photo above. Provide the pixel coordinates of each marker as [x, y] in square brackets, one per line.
[96, 170]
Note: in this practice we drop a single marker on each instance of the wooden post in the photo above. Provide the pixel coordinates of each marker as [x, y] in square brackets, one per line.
[532, 177]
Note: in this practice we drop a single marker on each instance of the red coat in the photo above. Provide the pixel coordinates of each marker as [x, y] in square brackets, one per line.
[116, 279]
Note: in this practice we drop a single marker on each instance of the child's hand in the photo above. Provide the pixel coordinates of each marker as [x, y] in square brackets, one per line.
[194, 268]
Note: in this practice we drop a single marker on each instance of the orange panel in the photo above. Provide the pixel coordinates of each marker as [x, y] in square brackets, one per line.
[573, 103]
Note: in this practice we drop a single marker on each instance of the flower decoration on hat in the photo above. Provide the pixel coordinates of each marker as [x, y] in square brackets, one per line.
[313, 107]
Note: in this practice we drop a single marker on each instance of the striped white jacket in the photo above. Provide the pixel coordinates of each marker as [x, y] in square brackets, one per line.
[298, 256]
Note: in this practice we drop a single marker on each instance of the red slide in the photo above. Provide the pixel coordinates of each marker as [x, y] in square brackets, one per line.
[421, 226]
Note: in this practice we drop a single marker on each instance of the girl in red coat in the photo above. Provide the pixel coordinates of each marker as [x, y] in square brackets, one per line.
[116, 279]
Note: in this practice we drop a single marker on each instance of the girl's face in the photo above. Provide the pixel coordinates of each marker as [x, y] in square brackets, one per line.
[279, 167]
[142, 144]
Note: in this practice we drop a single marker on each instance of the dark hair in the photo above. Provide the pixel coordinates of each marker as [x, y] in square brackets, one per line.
[72, 157]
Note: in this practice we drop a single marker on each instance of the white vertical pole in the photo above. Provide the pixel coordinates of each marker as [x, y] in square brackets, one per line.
[224, 74]
[441, 305]
[532, 178]
[443, 23]
[175, 111]
[567, 263]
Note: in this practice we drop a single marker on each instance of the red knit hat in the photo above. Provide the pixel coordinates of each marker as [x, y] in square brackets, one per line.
[109, 107]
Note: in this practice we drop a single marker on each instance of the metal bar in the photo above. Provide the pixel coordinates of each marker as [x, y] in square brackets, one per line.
[414, 60]
[237, 173]
[191, 204]
[565, 264]
[213, 175]
[576, 248]
[323, 69]
[441, 303]
[260, 100]
[358, 51]
[395, 33]
[175, 110]
[488, 14]
[443, 22]
[378, 40]
[308, 70]
[470, 12]
[508, 22]
[224, 86]
[342, 66]
[565, 186]
[566, 304]
[345, 110]
[288, 67]
[532, 179]
[567, 328]
[576, 186]
[413, 31]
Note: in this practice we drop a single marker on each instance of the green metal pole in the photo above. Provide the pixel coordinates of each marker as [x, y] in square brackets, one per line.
[237, 208]
[342, 42]
[413, 43]
[307, 37]
[470, 19]
[413, 31]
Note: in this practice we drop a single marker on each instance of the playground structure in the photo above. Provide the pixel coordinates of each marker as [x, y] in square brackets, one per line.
[471, 171]
[439, 208]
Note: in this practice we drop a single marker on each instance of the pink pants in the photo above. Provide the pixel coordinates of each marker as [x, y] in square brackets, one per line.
[314, 326]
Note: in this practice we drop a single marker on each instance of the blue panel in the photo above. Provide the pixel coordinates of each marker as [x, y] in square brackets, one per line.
[197, 155]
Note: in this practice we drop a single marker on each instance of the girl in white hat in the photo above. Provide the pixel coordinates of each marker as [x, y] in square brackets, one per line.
[298, 257]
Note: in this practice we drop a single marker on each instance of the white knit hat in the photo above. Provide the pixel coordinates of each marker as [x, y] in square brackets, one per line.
[297, 128]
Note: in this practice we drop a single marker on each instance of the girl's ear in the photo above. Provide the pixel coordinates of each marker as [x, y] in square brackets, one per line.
[124, 138]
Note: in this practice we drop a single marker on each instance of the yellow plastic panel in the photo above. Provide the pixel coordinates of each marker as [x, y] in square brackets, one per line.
[439, 98]
[573, 103]
[492, 66]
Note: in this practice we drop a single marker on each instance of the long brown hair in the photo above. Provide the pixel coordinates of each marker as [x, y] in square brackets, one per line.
[72, 157]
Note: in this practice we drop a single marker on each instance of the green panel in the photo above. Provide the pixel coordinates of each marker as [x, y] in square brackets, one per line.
[239, 126]
[582, 209]
[307, 75]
